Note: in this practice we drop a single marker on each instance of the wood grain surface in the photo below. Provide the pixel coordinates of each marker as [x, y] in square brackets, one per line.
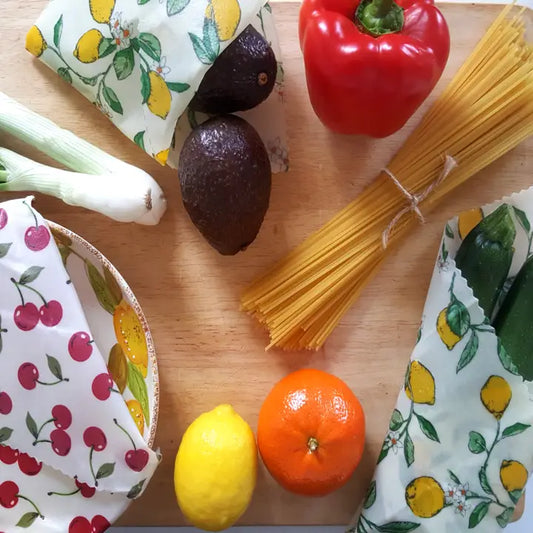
[208, 351]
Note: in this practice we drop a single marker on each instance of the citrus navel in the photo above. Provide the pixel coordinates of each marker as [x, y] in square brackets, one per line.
[425, 497]
[420, 384]
[311, 432]
[496, 395]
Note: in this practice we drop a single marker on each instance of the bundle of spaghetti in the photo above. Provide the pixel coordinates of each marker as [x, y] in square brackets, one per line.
[485, 111]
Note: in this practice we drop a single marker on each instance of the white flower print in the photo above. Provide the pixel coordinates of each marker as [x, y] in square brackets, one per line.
[161, 67]
[122, 31]
[393, 441]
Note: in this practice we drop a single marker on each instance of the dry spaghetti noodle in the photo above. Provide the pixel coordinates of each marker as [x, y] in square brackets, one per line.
[485, 111]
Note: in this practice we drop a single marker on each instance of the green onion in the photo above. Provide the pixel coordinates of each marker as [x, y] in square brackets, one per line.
[100, 182]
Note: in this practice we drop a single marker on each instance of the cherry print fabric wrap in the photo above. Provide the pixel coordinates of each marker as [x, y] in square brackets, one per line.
[58, 403]
[140, 62]
[457, 453]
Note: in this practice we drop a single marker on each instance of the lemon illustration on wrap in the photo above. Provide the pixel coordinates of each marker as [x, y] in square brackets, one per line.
[425, 497]
[35, 43]
[101, 10]
[452, 323]
[130, 335]
[495, 396]
[159, 99]
[86, 49]
[513, 476]
[226, 15]
[468, 220]
[420, 384]
[162, 156]
[216, 469]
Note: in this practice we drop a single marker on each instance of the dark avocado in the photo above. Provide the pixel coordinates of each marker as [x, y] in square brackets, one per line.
[240, 78]
[225, 179]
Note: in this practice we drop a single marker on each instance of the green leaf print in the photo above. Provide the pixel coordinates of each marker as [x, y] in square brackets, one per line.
[27, 519]
[515, 495]
[105, 470]
[408, 450]
[136, 490]
[145, 86]
[370, 497]
[55, 367]
[505, 516]
[65, 74]
[522, 218]
[123, 63]
[139, 139]
[107, 46]
[211, 40]
[142, 2]
[396, 420]
[427, 428]
[478, 514]
[112, 99]
[150, 45]
[383, 453]
[484, 482]
[444, 252]
[4, 248]
[32, 426]
[398, 527]
[515, 429]
[469, 351]
[58, 30]
[200, 50]
[178, 87]
[453, 477]
[30, 274]
[176, 6]
[506, 361]
[137, 386]
[457, 317]
[448, 231]
[476, 442]
[5, 434]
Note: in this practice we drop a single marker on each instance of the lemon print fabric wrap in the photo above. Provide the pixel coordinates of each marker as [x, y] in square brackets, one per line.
[457, 451]
[140, 62]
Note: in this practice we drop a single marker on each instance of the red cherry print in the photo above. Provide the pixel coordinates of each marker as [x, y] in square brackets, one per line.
[51, 313]
[85, 490]
[99, 524]
[80, 346]
[9, 494]
[80, 524]
[8, 455]
[37, 238]
[5, 403]
[60, 442]
[3, 218]
[62, 416]
[29, 465]
[26, 316]
[28, 375]
[102, 385]
[94, 438]
[137, 459]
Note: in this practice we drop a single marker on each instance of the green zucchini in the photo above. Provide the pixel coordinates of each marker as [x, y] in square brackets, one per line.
[485, 255]
[514, 321]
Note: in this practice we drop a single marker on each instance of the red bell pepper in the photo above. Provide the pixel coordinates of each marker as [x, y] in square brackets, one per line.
[370, 64]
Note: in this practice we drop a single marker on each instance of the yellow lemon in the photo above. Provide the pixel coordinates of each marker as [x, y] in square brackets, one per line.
[513, 475]
[130, 335]
[162, 156]
[496, 395]
[87, 46]
[101, 10]
[468, 220]
[216, 469]
[448, 337]
[425, 497]
[160, 99]
[35, 43]
[136, 412]
[226, 14]
[420, 385]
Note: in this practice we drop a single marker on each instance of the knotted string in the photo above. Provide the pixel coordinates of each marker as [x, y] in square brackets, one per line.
[414, 199]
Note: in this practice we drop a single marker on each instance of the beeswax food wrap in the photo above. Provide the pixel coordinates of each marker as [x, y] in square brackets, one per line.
[65, 428]
[140, 62]
[458, 449]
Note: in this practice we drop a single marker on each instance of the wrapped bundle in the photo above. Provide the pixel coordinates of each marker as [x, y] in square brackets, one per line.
[141, 63]
[458, 450]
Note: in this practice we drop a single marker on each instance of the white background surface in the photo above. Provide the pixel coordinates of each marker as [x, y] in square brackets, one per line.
[524, 525]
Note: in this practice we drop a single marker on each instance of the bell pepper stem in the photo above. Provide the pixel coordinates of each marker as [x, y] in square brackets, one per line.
[379, 17]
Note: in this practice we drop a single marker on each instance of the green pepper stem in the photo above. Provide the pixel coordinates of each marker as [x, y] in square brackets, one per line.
[379, 17]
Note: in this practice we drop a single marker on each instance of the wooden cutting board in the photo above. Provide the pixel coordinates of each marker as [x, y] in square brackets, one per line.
[210, 353]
